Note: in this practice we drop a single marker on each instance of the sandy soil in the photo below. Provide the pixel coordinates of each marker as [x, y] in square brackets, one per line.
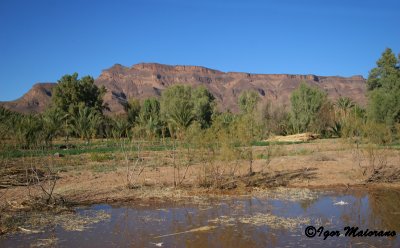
[83, 180]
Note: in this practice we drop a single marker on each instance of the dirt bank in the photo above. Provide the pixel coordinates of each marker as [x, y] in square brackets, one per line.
[325, 163]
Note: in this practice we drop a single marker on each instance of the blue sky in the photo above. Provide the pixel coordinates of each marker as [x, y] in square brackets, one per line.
[42, 40]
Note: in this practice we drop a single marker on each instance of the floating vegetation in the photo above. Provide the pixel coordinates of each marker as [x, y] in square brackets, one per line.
[261, 219]
[274, 221]
[37, 222]
[79, 222]
[224, 220]
[287, 194]
[49, 242]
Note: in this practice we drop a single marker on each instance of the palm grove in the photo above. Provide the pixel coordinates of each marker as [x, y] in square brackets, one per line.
[182, 112]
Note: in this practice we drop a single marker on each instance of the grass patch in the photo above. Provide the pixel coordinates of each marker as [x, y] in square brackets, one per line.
[103, 168]
[262, 156]
[101, 157]
[394, 145]
[18, 153]
[301, 151]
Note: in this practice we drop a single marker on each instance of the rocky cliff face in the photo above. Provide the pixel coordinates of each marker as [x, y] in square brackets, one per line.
[150, 79]
[145, 80]
[34, 101]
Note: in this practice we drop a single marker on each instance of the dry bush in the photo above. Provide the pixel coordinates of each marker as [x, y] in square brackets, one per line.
[275, 118]
[219, 154]
[323, 158]
[369, 144]
[42, 178]
[268, 153]
[184, 153]
[371, 159]
[324, 121]
[134, 162]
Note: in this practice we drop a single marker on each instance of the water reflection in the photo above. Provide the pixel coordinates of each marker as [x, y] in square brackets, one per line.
[385, 210]
[235, 223]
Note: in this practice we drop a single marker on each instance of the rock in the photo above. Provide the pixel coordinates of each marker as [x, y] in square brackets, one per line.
[148, 182]
[58, 155]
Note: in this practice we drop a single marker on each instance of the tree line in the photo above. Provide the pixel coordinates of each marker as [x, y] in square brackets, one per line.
[77, 110]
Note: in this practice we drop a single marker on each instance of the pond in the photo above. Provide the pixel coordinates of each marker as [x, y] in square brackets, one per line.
[275, 218]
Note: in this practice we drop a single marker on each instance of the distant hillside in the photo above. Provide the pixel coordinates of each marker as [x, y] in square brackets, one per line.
[150, 79]
[34, 101]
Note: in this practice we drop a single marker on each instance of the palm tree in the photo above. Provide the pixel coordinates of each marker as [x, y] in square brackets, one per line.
[96, 120]
[6, 120]
[53, 121]
[180, 117]
[120, 127]
[29, 130]
[85, 122]
[344, 104]
[150, 124]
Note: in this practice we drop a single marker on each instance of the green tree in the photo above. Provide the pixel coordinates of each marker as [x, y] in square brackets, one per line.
[384, 90]
[247, 130]
[180, 105]
[306, 102]
[8, 123]
[176, 108]
[85, 122]
[248, 101]
[120, 127]
[247, 126]
[53, 121]
[386, 74]
[180, 117]
[149, 118]
[344, 105]
[384, 107]
[29, 130]
[203, 106]
[70, 92]
[151, 108]
[132, 109]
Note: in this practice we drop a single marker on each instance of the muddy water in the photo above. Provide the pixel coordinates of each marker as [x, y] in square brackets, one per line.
[276, 219]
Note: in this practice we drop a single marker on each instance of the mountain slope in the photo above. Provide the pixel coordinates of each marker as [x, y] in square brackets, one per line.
[145, 80]
[34, 101]
[150, 79]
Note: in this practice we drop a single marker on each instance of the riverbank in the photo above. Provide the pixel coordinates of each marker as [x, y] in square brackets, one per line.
[90, 179]
[318, 164]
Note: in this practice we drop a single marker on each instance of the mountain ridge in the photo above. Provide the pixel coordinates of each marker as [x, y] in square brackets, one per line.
[150, 79]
